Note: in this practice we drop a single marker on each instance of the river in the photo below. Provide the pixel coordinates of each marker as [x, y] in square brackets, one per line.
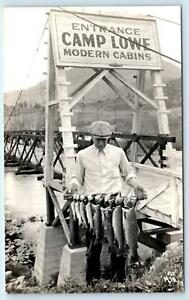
[24, 195]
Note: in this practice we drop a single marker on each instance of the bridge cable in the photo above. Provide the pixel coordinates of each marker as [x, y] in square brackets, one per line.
[115, 33]
[27, 75]
[166, 20]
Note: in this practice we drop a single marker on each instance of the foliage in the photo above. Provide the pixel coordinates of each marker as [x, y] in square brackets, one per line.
[164, 275]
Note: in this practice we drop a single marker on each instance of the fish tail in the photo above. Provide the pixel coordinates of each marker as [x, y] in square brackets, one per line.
[120, 252]
[97, 242]
[133, 259]
[112, 249]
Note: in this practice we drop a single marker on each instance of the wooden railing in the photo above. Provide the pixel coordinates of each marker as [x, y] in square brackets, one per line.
[26, 149]
[173, 177]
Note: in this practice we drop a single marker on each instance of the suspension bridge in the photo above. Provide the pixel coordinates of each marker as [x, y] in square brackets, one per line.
[49, 145]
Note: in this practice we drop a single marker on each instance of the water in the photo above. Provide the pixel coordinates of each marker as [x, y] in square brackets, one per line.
[24, 195]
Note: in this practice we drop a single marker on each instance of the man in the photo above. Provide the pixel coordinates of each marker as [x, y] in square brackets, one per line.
[102, 168]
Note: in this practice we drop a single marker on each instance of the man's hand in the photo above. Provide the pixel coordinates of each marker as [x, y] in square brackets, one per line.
[73, 187]
[140, 192]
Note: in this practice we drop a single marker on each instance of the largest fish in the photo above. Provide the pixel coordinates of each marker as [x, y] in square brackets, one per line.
[117, 223]
[108, 229]
[131, 231]
[98, 228]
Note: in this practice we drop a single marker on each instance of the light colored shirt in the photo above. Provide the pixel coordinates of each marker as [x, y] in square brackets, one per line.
[102, 171]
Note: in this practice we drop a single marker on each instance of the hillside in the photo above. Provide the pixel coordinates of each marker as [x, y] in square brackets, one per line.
[37, 93]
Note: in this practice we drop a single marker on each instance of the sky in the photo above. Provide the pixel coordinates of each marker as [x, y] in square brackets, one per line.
[24, 63]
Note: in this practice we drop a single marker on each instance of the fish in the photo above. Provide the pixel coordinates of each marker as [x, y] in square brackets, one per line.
[117, 223]
[131, 231]
[117, 198]
[83, 213]
[99, 198]
[78, 214]
[77, 196]
[89, 214]
[98, 228]
[73, 210]
[82, 197]
[89, 197]
[107, 197]
[108, 230]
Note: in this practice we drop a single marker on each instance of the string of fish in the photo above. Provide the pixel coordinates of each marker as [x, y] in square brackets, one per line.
[110, 217]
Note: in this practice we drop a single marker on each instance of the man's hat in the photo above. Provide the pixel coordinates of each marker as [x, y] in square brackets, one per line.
[101, 129]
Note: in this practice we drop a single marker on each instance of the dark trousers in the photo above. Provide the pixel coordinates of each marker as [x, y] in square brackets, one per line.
[117, 267]
[93, 267]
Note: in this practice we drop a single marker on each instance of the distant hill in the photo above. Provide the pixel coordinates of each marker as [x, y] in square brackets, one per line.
[101, 91]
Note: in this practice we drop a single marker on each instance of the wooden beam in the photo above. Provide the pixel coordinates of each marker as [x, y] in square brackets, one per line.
[81, 93]
[57, 219]
[56, 185]
[156, 222]
[146, 153]
[116, 91]
[164, 172]
[151, 242]
[86, 82]
[132, 88]
[159, 230]
[163, 122]
[49, 117]
[61, 216]
[157, 193]
[136, 124]
[157, 215]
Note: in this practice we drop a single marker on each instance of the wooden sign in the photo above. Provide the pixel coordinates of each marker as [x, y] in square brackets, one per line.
[104, 41]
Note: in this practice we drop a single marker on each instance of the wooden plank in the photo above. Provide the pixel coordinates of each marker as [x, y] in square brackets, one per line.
[164, 172]
[116, 91]
[136, 124]
[140, 215]
[170, 237]
[156, 222]
[153, 148]
[80, 94]
[146, 153]
[151, 242]
[61, 216]
[54, 102]
[134, 89]
[157, 193]
[159, 230]
[86, 82]
[49, 117]
[157, 215]
[163, 122]
[57, 219]
[56, 185]
[66, 124]
[175, 203]
[67, 129]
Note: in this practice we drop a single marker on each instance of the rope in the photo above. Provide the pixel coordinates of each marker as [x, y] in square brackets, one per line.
[27, 75]
[162, 19]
